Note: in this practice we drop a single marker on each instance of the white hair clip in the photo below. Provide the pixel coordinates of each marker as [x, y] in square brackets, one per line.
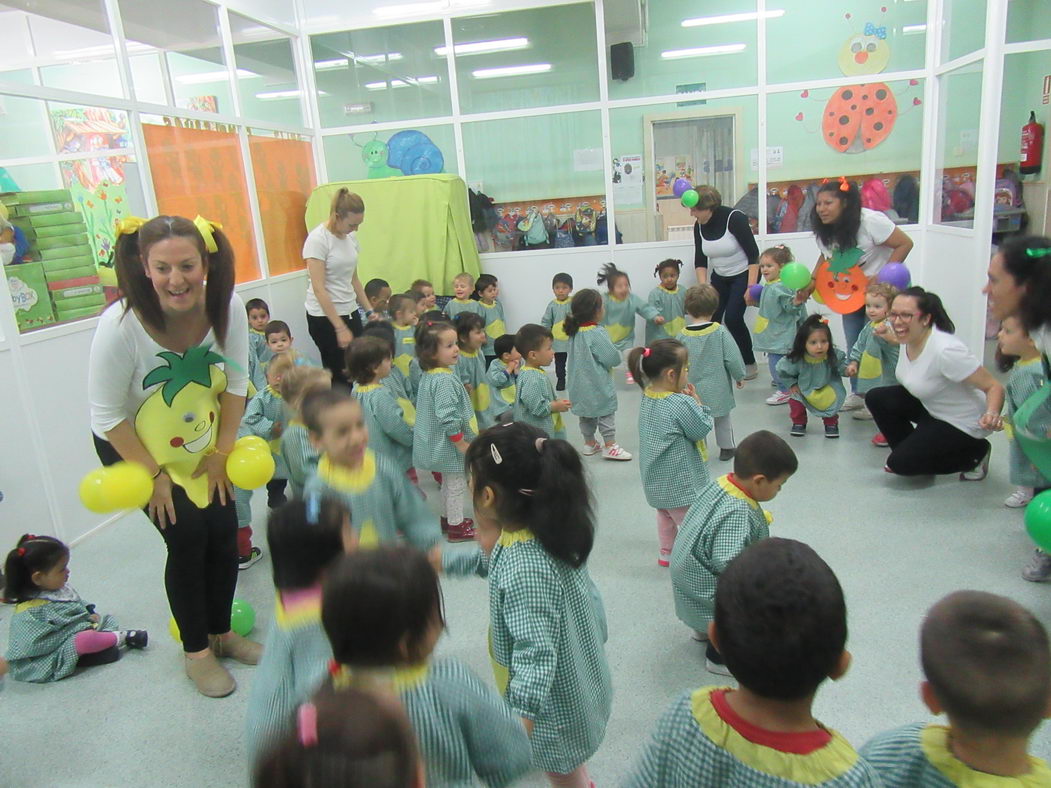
[496, 454]
[540, 444]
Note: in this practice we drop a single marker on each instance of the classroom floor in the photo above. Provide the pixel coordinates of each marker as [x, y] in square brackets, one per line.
[897, 545]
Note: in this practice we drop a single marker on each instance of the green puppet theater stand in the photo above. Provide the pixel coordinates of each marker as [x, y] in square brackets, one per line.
[416, 227]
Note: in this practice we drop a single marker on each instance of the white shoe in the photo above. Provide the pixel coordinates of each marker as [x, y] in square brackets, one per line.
[863, 414]
[1038, 570]
[1019, 498]
[614, 452]
[853, 402]
[778, 398]
[713, 667]
[751, 371]
[980, 471]
[590, 449]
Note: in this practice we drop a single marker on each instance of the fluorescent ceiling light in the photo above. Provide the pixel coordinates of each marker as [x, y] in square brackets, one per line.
[275, 95]
[511, 71]
[913, 29]
[419, 9]
[104, 50]
[480, 47]
[723, 49]
[326, 65]
[401, 83]
[213, 76]
[723, 19]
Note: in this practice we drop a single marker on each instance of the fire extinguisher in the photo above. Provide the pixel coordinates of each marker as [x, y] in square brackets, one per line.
[1032, 146]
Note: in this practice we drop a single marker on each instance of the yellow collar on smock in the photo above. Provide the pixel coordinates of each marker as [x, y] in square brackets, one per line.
[934, 739]
[352, 480]
[700, 332]
[508, 538]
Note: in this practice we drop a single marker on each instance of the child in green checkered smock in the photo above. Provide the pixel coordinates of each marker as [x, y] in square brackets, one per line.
[669, 301]
[486, 289]
[259, 352]
[781, 622]
[463, 288]
[304, 538]
[536, 402]
[873, 359]
[466, 734]
[985, 660]
[621, 306]
[1019, 354]
[554, 315]
[547, 627]
[779, 316]
[673, 424]
[470, 367]
[813, 372]
[502, 377]
[369, 363]
[54, 631]
[300, 455]
[403, 321]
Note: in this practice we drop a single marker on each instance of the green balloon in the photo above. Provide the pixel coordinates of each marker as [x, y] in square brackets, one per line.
[690, 198]
[242, 617]
[795, 276]
[1038, 520]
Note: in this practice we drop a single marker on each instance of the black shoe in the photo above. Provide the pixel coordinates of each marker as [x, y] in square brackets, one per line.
[561, 386]
[136, 638]
[726, 454]
[798, 430]
[276, 501]
[831, 430]
[246, 561]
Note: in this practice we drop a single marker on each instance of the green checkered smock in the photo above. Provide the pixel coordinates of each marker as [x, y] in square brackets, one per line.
[821, 386]
[1025, 379]
[533, 403]
[503, 386]
[263, 412]
[715, 365]
[670, 304]
[553, 316]
[778, 320]
[693, 747]
[259, 353]
[919, 756]
[415, 376]
[470, 368]
[589, 379]
[404, 347]
[300, 456]
[454, 307]
[876, 359]
[398, 385]
[547, 634]
[672, 428]
[495, 327]
[721, 523]
[443, 409]
[42, 643]
[619, 318]
[389, 435]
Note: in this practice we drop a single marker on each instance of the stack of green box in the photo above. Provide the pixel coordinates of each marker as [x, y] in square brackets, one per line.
[59, 244]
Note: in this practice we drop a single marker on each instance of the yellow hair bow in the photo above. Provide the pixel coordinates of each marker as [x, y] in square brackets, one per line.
[129, 225]
[205, 227]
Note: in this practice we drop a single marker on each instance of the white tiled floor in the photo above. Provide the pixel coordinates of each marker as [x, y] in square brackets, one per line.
[897, 546]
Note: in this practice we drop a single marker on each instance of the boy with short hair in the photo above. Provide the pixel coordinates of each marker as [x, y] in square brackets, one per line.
[988, 667]
[378, 292]
[427, 297]
[535, 401]
[554, 315]
[781, 622]
[404, 319]
[463, 286]
[724, 520]
[258, 352]
[715, 362]
[503, 377]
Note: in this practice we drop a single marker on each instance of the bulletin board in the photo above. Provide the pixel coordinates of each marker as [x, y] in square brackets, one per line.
[284, 178]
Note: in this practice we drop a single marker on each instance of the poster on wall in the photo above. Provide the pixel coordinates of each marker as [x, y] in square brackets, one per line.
[668, 169]
[627, 179]
[408, 152]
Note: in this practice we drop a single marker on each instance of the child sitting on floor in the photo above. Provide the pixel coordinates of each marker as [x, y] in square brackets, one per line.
[988, 668]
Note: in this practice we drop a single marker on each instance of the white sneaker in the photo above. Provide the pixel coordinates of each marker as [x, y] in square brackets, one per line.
[778, 398]
[980, 471]
[853, 402]
[863, 414]
[1019, 498]
[1038, 570]
[614, 452]
[590, 449]
[713, 667]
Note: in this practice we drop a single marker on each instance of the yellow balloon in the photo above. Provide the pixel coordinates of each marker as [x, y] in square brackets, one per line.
[173, 630]
[250, 468]
[252, 442]
[129, 486]
[93, 491]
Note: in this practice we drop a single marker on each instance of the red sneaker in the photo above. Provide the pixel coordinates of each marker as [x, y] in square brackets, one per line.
[464, 532]
[663, 561]
[880, 441]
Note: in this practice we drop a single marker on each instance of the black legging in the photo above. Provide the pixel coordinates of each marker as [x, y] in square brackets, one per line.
[201, 571]
[931, 446]
[324, 336]
[731, 291]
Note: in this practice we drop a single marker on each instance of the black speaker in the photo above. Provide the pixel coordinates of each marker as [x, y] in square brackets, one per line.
[622, 61]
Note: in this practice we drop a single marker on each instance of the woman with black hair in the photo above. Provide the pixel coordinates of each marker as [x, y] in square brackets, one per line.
[842, 225]
[937, 419]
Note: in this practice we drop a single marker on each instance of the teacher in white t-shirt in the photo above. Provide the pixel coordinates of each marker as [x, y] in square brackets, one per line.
[334, 290]
[841, 224]
[937, 419]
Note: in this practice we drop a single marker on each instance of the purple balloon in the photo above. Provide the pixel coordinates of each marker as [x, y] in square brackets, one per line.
[895, 274]
[681, 185]
[754, 292]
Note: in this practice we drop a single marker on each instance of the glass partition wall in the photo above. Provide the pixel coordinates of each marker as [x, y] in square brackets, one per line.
[584, 116]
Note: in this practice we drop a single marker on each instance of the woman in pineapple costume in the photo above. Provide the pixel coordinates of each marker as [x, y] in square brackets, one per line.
[167, 382]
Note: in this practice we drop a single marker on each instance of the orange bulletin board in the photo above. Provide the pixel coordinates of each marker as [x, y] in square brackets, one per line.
[284, 178]
[198, 171]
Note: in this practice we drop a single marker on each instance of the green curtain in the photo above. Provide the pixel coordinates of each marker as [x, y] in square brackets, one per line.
[416, 227]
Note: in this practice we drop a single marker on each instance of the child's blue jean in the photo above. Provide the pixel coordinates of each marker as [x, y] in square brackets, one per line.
[772, 359]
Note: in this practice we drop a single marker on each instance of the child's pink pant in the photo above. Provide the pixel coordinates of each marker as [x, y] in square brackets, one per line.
[91, 641]
[668, 522]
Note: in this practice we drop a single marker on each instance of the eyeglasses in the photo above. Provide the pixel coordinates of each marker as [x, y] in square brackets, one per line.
[904, 317]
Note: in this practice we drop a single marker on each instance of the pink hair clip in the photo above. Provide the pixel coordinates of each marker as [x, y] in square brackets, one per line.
[646, 352]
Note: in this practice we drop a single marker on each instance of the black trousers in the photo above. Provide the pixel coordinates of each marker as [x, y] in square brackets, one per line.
[921, 444]
[731, 291]
[201, 572]
[324, 336]
[560, 371]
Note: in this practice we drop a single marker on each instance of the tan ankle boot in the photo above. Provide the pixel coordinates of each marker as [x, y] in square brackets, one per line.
[236, 647]
[211, 678]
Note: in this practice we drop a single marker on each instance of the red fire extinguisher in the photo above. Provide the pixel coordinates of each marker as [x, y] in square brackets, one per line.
[1032, 146]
